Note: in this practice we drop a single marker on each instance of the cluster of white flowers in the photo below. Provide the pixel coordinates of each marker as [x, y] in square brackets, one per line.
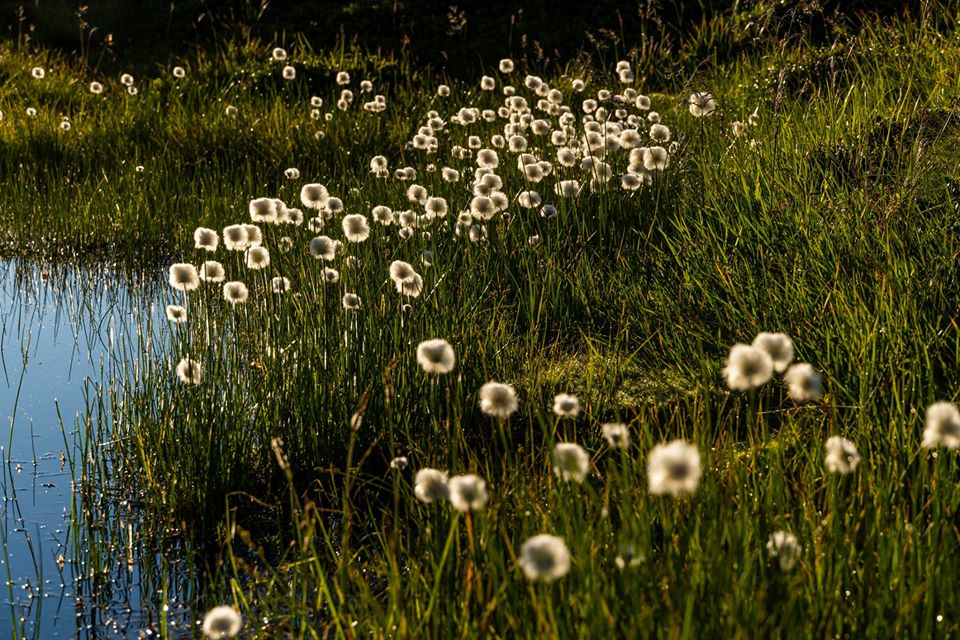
[753, 365]
[502, 157]
[465, 493]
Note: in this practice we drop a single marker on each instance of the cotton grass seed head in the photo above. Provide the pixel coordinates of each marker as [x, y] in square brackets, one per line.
[616, 435]
[254, 235]
[176, 314]
[314, 196]
[659, 133]
[289, 73]
[179, 73]
[330, 276]
[568, 188]
[323, 248]
[258, 258]
[188, 371]
[184, 277]
[351, 301]
[235, 292]
[467, 492]
[412, 288]
[96, 88]
[221, 623]
[655, 159]
[778, 347]
[566, 405]
[673, 469]
[436, 356]
[506, 65]
[382, 214]
[212, 271]
[435, 207]
[417, 193]
[401, 272]
[804, 384]
[747, 367]
[942, 426]
[498, 400]
[842, 456]
[702, 104]
[544, 557]
[235, 237]
[279, 54]
[430, 485]
[206, 239]
[570, 462]
[279, 284]
[355, 227]
[784, 548]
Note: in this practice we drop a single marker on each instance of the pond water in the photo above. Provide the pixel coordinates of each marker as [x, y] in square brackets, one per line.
[67, 574]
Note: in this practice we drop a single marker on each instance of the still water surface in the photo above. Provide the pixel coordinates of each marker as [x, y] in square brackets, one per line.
[62, 335]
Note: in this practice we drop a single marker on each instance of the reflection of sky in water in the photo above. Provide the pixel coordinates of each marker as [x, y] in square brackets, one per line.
[56, 334]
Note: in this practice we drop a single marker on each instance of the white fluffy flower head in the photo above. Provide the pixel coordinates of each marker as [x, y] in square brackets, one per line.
[673, 468]
[430, 485]
[942, 426]
[436, 356]
[747, 367]
[467, 492]
[498, 400]
[785, 549]
[570, 462]
[544, 557]
[842, 456]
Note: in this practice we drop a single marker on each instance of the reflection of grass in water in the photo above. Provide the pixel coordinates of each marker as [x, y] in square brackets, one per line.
[830, 219]
[89, 312]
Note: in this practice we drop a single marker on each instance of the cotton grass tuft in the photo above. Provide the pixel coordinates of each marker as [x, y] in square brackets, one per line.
[176, 314]
[498, 400]
[235, 292]
[184, 277]
[436, 356]
[804, 384]
[221, 623]
[570, 462]
[206, 239]
[784, 548]
[616, 435]
[778, 346]
[188, 371]
[942, 426]
[545, 558]
[467, 492]
[430, 485]
[350, 301]
[212, 271]
[747, 367]
[842, 456]
[566, 405]
[356, 228]
[673, 469]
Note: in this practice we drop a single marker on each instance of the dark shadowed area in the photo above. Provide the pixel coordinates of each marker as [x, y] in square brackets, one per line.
[459, 38]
